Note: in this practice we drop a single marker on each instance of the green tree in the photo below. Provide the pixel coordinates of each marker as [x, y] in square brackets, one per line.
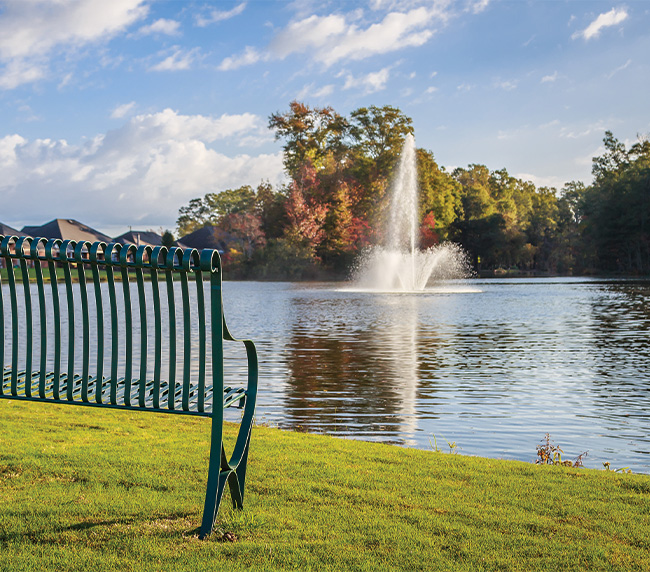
[210, 209]
[270, 206]
[167, 239]
[439, 193]
[378, 135]
[476, 198]
[309, 134]
[616, 208]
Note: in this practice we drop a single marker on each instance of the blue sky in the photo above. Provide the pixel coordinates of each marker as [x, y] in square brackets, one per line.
[118, 113]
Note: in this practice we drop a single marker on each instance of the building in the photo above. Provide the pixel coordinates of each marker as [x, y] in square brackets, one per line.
[65, 229]
[139, 237]
[204, 237]
[6, 230]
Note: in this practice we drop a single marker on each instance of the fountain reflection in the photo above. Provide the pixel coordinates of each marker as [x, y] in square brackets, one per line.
[359, 380]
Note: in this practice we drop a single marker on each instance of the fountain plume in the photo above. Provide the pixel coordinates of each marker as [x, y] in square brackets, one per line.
[400, 265]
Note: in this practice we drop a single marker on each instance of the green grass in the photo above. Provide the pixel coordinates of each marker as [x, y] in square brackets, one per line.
[109, 490]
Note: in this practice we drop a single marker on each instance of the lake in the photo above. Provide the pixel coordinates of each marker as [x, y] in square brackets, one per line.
[491, 365]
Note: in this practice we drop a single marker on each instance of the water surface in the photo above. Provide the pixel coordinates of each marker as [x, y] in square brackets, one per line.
[491, 365]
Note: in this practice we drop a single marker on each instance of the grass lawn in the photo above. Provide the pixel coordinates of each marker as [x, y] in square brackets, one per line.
[87, 489]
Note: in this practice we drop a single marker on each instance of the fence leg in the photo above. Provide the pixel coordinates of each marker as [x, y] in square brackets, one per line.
[216, 479]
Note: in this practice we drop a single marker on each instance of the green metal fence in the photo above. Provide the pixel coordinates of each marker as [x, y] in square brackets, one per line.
[104, 325]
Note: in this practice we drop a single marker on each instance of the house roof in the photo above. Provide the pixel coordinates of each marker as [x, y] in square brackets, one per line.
[204, 237]
[65, 229]
[139, 237]
[7, 230]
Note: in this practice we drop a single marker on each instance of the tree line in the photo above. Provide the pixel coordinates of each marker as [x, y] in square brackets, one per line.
[336, 201]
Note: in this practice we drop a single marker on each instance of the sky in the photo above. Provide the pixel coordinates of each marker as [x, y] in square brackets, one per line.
[118, 113]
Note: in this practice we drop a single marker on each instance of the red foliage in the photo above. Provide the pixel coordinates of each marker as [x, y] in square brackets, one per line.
[243, 230]
[306, 218]
[428, 237]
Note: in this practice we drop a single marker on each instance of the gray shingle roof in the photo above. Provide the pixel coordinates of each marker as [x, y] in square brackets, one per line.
[65, 229]
[7, 230]
[204, 237]
[139, 237]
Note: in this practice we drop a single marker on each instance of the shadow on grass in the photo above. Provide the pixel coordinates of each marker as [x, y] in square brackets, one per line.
[162, 527]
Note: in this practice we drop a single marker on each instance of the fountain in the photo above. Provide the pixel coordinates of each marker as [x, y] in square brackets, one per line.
[400, 265]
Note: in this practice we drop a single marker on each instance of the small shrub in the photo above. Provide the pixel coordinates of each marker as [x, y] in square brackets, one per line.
[550, 454]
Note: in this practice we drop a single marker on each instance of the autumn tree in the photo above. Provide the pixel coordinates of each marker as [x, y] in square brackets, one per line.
[210, 209]
[242, 231]
[309, 134]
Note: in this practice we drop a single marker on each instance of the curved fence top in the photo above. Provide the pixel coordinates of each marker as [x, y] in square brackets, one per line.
[110, 254]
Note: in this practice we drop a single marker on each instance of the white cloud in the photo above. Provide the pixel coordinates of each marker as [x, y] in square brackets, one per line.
[122, 110]
[250, 56]
[337, 37]
[18, 72]
[152, 165]
[161, 26]
[507, 85]
[31, 31]
[540, 181]
[394, 32]
[179, 60]
[552, 123]
[612, 18]
[309, 33]
[579, 131]
[370, 83]
[478, 6]
[550, 78]
[626, 65]
[35, 27]
[219, 15]
[431, 89]
[312, 91]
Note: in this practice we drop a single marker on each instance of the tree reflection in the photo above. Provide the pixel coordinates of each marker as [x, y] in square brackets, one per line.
[359, 378]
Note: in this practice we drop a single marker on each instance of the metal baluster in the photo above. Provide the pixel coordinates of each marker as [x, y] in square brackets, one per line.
[128, 321]
[83, 290]
[112, 250]
[29, 319]
[94, 265]
[40, 286]
[11, 280]
[159, 253]
[171, 304]
[139, 274]
[2, 331]
[52, 256]
[200, 302]
[189, 256]
[6, 254]
[67, 275]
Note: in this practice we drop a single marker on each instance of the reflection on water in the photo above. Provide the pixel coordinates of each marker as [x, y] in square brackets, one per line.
[492, 365]
[350, 378]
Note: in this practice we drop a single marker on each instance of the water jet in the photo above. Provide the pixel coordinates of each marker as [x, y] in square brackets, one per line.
[399, 265]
